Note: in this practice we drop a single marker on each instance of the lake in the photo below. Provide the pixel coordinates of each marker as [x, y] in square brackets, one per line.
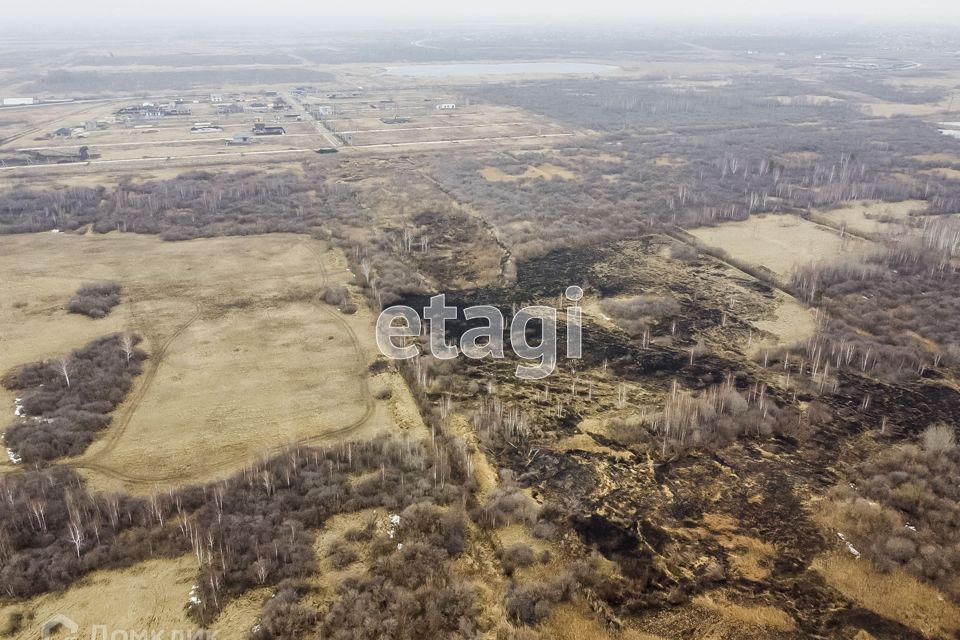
[498, 69]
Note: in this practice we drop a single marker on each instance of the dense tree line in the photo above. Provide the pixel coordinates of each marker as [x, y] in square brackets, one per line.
[194, 204]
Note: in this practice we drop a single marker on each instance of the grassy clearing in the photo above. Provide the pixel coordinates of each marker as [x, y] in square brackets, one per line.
[778, 242]
[749, 557]
[791, 322]
[894, 595]
[755, 615]
[546, 171]
[154, 595]
[242, 357]
[574, 621]
[870, 216]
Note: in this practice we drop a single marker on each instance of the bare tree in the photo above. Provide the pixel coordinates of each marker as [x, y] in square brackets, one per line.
[126, 345]
[63, 366]
[76, 533]
[366, 268]
[939, 439]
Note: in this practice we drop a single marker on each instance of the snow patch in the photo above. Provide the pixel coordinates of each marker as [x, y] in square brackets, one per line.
[853, 550]
[194, 598]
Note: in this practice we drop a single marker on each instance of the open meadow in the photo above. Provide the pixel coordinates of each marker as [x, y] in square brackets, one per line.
[779, 243]
[242, 356]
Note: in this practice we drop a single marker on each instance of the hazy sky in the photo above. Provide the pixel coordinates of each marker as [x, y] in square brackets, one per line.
[301, 13]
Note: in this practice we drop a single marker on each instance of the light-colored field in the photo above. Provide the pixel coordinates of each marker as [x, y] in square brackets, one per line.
[946, 158]
[153, 595]
[242, 357]
[895, 595]
[807, 99]
[945, 172]
[791, 322]
[546, 171]
[753, 615]
[870, 216]
[778, 242]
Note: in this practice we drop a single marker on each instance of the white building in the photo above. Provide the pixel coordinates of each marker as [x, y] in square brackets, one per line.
[17, 102]
[443, 106]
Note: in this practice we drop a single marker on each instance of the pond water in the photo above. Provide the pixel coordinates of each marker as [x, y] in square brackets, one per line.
[498, 69]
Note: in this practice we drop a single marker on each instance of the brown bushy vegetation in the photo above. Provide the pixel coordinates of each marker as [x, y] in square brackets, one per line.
[95, 300]
[530, 602]
[340, 298]
[507, 504]
[636, 313]
[195, 204]
[254, 529]
[515, 556]
[893, 313]
[283, 616]
[410, 590]
[66, 401]
[903, 508]
[711, 419]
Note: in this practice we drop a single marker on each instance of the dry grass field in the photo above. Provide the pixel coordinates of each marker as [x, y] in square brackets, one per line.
[154, 595]
[870, 216]
[896, 595]
[778, 242]
[546, 171]
[242, 357]
[791, 322]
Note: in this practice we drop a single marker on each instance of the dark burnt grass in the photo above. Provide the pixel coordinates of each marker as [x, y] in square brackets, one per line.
[632, 517]
[646, 522]
[762, 486]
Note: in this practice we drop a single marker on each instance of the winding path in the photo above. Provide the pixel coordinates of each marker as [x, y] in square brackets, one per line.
[94, 464]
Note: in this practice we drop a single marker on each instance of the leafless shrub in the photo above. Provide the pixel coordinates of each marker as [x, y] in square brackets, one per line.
[284, 617]
[95, 300]
[682, 251]
[507, 504]
[340, 298]
[633, 314]
[531, 602]
[515, 556]
[939, 439]
[13, 625]
[902, 509]
[341, 554]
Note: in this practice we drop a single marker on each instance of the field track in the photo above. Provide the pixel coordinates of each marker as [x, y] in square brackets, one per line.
[91, 463]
